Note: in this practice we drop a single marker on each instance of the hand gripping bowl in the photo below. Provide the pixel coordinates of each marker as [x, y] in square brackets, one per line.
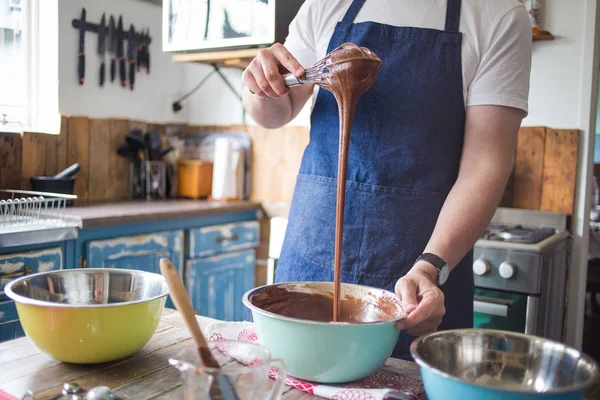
[326, 352]
[493, 365]
[88, 316]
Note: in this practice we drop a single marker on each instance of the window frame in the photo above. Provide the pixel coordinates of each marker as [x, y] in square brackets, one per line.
[40, 112]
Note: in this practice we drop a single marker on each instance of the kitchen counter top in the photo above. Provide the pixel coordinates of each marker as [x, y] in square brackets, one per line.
[106, 214]
[144, 375]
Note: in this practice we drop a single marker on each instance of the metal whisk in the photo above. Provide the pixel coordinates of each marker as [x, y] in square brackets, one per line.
[314, 74]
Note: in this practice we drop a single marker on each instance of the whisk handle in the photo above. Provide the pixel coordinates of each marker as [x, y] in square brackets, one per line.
[290, 80]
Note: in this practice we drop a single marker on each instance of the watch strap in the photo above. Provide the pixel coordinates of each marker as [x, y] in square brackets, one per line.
[436, 261]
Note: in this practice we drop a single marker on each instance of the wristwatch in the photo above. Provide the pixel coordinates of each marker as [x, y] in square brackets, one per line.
[441, 265]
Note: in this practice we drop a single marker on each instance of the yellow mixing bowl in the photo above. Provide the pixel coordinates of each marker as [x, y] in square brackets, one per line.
[88, 316]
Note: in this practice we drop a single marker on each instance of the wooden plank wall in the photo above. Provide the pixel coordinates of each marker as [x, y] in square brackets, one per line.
[93, 143]
[543, 178]
[545, 170]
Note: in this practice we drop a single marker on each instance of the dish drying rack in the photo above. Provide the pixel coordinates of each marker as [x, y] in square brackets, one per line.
[28, 208]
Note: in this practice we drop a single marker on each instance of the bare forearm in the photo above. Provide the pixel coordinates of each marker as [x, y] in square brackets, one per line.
[468, 209]
[268, 112]
[486, 164]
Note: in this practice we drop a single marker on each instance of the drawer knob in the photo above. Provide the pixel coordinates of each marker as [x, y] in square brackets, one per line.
[26, 271]
[221, 239]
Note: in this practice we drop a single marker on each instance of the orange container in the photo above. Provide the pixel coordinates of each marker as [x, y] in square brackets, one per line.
[194, 178]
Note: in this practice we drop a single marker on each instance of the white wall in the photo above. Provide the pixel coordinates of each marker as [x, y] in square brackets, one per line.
[215, 104]
[563, 95]
[153, 94]
[554, 97]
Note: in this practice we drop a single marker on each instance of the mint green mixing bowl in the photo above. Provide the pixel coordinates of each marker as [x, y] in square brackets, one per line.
[327, 352]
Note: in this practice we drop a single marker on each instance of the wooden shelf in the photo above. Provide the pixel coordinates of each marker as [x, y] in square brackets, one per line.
[543, 35]
[227, 58]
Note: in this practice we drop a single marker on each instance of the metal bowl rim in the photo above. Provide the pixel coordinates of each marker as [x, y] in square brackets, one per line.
[34, 302]
[253, 308]
[573, 388]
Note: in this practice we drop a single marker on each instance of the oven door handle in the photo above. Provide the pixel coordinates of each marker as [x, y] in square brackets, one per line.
[491, 306]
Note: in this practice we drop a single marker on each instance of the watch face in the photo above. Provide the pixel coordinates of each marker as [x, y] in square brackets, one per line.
[443, 275]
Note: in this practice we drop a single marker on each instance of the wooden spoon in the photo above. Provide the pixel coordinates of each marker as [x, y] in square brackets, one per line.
[221, 387]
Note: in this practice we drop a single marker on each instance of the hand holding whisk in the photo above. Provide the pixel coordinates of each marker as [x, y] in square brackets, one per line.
[316, 73]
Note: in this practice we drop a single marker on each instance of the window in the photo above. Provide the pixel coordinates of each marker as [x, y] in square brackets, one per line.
[29, 66]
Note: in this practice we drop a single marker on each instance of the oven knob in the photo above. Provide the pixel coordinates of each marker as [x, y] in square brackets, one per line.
[481, 267]
[507, 270]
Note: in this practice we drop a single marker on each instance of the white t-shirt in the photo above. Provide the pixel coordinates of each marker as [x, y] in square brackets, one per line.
[496, 47]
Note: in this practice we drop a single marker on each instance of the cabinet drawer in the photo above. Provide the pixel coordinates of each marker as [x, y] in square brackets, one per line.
[10, 331]
[141, 252]
[8, 312]
[217, 239]
[15, 265]
[216, 284]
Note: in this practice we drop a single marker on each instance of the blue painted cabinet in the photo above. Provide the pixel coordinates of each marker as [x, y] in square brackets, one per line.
[13, 266]
[219, 239]
[141, 252]
[216, 284]
[220, 268]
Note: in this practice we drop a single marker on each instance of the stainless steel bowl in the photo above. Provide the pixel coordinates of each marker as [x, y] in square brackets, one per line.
[89, 315]
[482, 362]
[93, 287]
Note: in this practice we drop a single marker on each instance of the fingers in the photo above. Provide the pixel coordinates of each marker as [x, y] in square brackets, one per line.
[249, 81]
[286, 59]
[406, 289]
[263, 76]
[271, 73]
[428, 314]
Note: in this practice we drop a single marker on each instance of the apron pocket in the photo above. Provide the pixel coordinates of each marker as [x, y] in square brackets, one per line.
[385, 229]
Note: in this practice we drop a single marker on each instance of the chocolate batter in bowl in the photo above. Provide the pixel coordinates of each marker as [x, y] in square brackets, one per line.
[294, 322]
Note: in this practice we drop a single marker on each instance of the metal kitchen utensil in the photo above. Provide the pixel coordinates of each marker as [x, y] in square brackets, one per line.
[102, 47]
[112, 312]
[131, 54]
[493, 364]
[121, 51]
[81, 53]
[112, 47]
[73, 391]
[32, 208]
[314, 74]
[100, 393]
[221, 386]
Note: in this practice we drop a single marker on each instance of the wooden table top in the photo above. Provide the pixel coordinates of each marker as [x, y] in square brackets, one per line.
[146, 374]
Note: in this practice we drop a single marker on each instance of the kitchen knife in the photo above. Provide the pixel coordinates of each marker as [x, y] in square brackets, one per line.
[147, 51]
[131, 54]
[102, 46]
[121, 52]
[140, 51]
[81, 54]
[112, 47]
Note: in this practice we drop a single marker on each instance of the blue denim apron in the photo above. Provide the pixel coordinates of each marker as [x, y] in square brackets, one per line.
[405, 149]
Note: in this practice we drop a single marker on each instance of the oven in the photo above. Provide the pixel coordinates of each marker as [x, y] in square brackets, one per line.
[520, 270]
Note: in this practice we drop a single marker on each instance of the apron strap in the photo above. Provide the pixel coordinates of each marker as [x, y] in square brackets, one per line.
[353, 11]
[453, 15]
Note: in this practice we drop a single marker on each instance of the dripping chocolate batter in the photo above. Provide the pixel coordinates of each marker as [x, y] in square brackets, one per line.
[352, 71]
